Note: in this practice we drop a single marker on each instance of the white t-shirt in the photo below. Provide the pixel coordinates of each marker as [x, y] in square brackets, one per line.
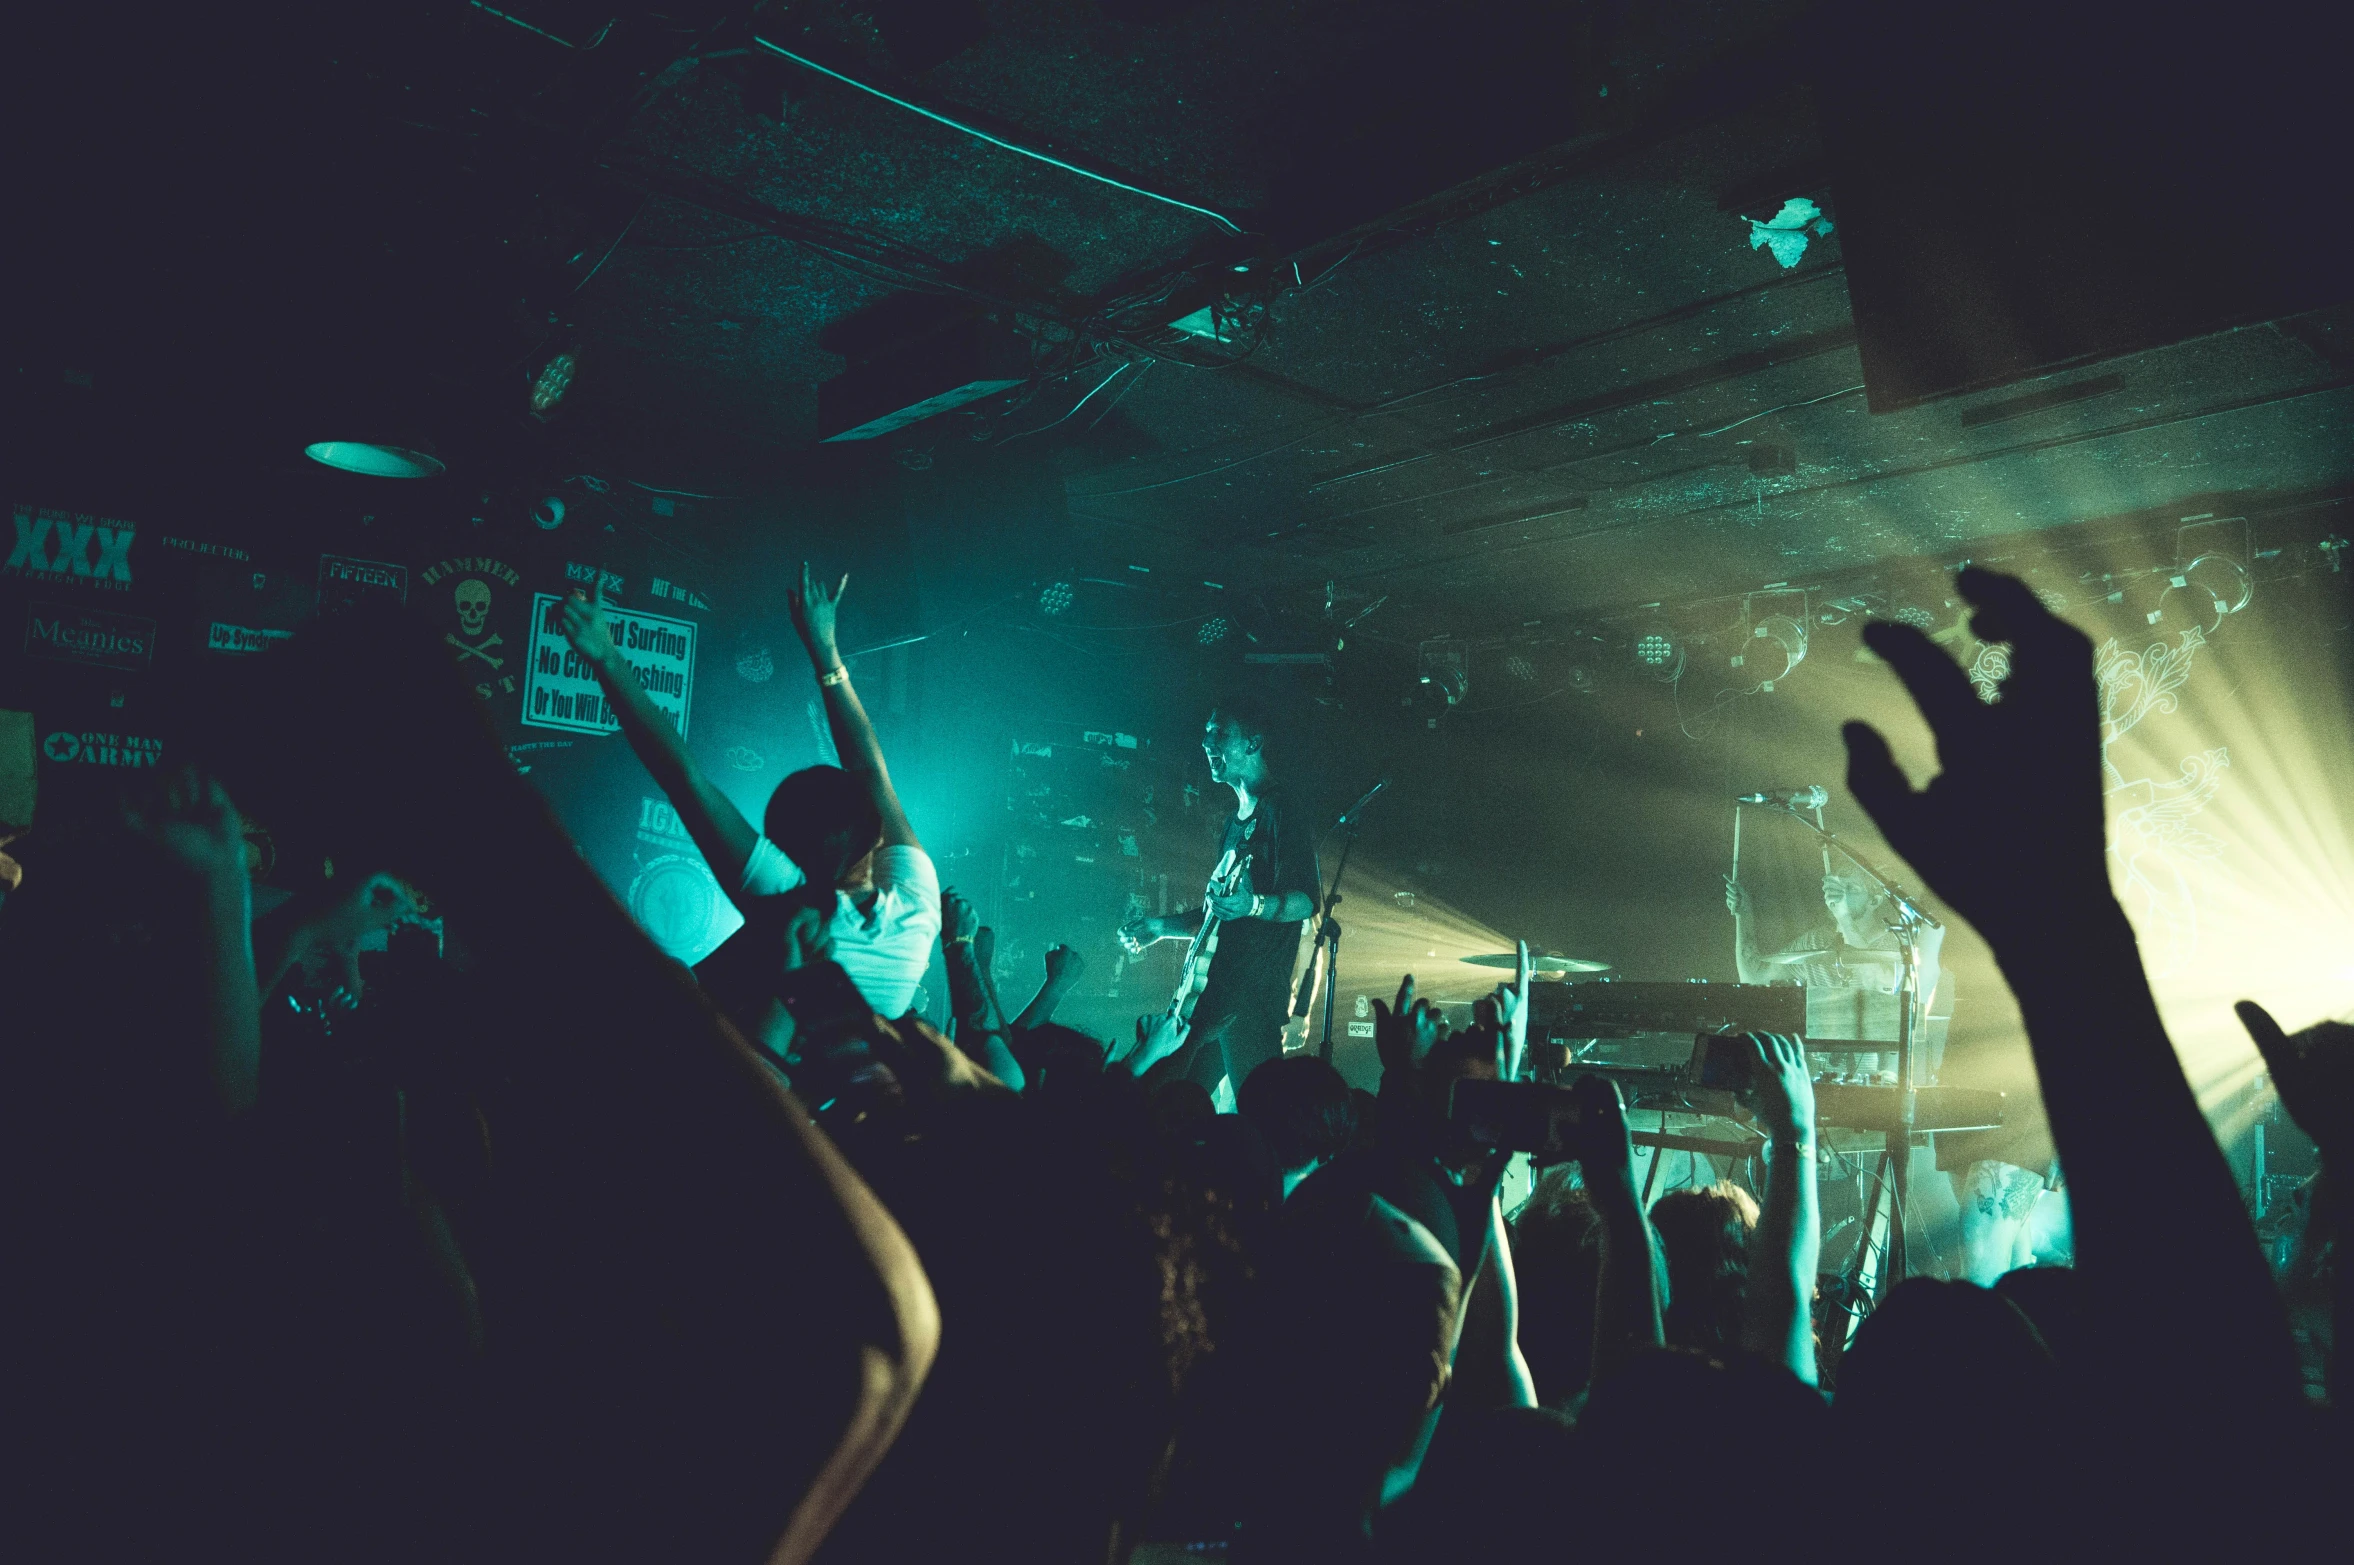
[884, 947]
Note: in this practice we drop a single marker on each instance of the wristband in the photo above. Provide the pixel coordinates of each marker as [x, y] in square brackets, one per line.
[839, 674]
[960, 940]
[1258, 907]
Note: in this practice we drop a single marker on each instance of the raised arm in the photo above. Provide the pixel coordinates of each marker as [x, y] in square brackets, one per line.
[711, 818]
[1628, 1316]
[2180, 1280]
[1063, 967]
[195, 827]
[977, 1027]
[814, 608]
[1786, 1246]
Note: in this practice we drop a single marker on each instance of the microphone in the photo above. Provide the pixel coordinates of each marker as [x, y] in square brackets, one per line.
[1812, 798]
[1350, 817]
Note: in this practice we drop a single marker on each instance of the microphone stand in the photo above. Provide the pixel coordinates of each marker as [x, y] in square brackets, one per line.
[1897, 1154]
[1328, 931]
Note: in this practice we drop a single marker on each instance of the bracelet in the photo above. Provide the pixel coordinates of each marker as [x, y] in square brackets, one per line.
[839, 674]
[960, 940]
[1258, 907]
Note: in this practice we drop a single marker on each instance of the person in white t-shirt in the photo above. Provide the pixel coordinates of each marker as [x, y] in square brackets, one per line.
[825, 826]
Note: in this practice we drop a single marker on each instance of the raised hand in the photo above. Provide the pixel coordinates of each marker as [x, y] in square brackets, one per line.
[1737, 900]
[1405, 1034]
[1998, 860]
[1511, 1012]
[2314, 1072]
[1064, 964]
[959, 919]
[195, 826]
[582, 618]
[1157, 1037]
[1781, 1094]
[814, 608]
[1602, 1144]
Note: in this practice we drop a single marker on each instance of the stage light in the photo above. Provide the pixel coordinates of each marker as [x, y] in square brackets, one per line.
[1213, 631]
[375, 461]
[1914, 615]
[1520, 668]
[1446, 665]
[553, 381]
[1056, 598]
[1659, 654]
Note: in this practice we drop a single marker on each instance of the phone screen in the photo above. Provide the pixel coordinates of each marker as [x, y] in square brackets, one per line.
[1516, 1116]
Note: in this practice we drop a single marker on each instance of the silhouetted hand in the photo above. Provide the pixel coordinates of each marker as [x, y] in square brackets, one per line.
[2013, 819]
[1602, 1145]
[2313, 1068]
[1405, 1035]
[1064, 964]
[1781, 1094]
[1510, 1006]
[814, 609]
[1157, 1037]
[195, 826]
[582, 618]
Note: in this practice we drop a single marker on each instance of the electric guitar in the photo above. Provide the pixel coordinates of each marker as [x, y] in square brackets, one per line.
[1233, 874]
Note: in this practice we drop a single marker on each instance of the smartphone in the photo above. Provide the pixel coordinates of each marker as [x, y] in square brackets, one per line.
[1723, 1061]
[1517, 1116]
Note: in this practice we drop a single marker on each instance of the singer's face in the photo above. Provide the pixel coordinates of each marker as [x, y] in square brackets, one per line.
[1228, 751]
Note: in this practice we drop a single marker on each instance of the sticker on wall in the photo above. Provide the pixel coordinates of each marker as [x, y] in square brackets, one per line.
[675, 900]
[240, 639]
[756, 666]
[744, 759]
[562, 692]
[75, 635]
[673, 896]
[344, 582]
[461, 595]
[203, 548]
[594, 577]
[67, 748]
[677, 594]
[77, 548]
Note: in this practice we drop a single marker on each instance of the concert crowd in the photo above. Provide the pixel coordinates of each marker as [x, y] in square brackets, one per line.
[414, 1206]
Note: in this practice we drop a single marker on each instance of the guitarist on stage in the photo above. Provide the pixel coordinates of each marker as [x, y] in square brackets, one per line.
[1238, 1019]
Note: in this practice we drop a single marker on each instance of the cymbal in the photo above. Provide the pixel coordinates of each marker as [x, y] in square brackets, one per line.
[1538, 964]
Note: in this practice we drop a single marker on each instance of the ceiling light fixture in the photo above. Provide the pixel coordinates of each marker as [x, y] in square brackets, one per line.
[1056, 598]
[374, 460]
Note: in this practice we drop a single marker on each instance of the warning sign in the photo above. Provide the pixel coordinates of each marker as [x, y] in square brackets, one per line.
[562, 691]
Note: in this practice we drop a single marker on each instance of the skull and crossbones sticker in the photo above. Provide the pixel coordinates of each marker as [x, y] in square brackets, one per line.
[473, 603]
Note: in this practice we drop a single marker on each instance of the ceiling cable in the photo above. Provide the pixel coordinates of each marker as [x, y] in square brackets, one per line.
[997, 141]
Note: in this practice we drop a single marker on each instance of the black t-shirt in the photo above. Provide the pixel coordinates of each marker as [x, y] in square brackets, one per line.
[1255, 955]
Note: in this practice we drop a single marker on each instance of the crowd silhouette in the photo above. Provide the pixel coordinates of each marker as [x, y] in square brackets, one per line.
[420, 1209]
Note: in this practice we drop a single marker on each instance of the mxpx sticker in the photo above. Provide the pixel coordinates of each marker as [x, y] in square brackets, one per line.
[51, 547]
